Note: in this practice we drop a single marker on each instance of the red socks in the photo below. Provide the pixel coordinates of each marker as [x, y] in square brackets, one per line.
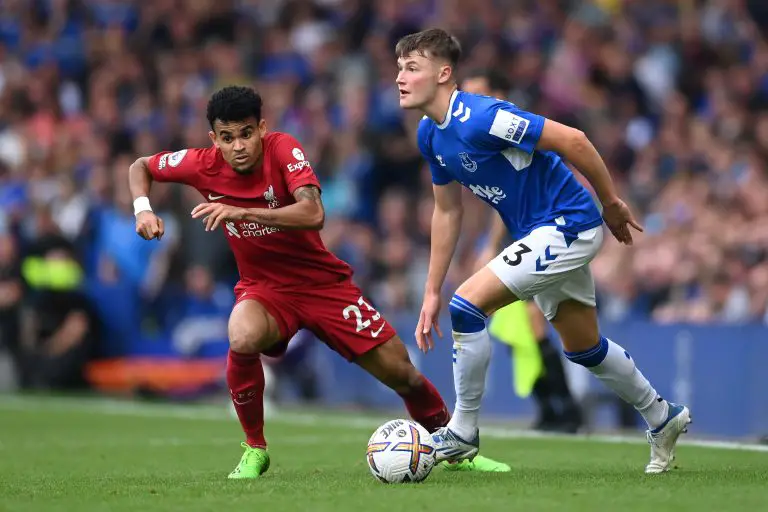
[245, 378]
[426, 406]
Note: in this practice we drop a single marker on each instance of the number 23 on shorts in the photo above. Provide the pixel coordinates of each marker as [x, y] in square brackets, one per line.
[354, 310]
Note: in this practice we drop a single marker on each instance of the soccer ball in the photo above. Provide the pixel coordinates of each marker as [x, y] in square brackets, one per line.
[400, 451]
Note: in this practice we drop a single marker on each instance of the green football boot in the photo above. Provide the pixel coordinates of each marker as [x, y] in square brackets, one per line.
[253, 463]
[479, 463]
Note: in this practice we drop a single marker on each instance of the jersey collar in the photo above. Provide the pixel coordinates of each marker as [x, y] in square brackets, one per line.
[447, 119]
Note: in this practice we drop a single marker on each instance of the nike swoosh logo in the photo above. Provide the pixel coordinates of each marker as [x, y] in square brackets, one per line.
[215, 198]
[243, 398]
[375, 334]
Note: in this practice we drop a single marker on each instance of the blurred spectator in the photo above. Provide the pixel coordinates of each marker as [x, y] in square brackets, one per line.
[59, 328]
[201, 328]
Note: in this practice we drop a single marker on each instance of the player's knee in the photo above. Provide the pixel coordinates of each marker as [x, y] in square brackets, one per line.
[248, 339]
[242, 342]
[252, 330]
[465, 316]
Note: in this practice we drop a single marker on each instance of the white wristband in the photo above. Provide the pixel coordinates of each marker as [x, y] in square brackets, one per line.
[141, 204]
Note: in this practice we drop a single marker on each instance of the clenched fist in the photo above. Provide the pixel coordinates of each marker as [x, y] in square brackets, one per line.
[149, 225]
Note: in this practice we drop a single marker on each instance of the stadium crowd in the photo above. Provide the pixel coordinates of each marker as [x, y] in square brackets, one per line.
[673, 93]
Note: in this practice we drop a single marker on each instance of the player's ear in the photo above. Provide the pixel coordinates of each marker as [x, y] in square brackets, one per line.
[263, 127]
[445, 74]
[212, 135]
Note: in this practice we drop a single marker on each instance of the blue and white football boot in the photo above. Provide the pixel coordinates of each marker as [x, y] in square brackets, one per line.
[449, 446]
[664, 438]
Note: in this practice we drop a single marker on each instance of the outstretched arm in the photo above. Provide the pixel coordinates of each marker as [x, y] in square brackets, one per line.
[574, 145]
[306, 213]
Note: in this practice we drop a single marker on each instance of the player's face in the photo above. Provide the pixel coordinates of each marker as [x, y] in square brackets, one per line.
[239, 142]
[418, 78]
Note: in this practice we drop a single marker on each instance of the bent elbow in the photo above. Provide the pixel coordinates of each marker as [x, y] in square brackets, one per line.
[320, 223]
[317, 220]
[139, 163]
[579, 142]
[139, 169]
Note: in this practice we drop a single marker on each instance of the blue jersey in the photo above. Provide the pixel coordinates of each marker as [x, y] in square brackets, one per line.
[489, 146]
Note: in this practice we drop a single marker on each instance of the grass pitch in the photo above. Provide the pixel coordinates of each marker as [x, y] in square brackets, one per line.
[87, 455]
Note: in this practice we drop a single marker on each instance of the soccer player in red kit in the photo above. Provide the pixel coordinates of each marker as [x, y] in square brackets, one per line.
[261, 189]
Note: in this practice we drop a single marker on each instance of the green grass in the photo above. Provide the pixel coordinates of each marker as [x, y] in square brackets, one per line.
[62, 454]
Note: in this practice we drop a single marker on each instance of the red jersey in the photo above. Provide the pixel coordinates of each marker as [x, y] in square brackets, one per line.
[266, 256]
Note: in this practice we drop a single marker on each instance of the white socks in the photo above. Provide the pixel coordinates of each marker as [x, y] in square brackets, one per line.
[608, 361]
[613, 365]
[471, 356]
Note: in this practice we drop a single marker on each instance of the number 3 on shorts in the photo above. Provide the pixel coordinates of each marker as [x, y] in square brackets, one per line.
[517, 255]
[353, 309]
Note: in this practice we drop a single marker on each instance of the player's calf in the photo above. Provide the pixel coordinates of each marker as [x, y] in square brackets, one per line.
[252, 330]
[480, 295]
[613, 365]
[577, 325]
[471, 356]
[608, 361]
[390, 364]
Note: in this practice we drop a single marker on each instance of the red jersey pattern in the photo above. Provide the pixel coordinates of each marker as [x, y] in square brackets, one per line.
[266, 256]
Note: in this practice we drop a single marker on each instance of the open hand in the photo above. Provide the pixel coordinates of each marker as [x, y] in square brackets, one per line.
[619, 218]
[430, 312]
[216, 213]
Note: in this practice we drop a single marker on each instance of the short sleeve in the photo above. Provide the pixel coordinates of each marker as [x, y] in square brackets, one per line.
[293, 162]
[508, 126]
[440, 175]
[179, 167]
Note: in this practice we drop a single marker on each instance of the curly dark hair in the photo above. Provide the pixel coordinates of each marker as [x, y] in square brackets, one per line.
[234, 103]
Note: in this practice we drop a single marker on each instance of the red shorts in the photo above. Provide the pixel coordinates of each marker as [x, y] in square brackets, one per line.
[338, 314]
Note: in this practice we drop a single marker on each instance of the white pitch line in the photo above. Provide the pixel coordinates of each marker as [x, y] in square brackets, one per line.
[334, 420]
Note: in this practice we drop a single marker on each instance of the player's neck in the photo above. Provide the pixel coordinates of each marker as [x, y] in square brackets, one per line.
[437, 109]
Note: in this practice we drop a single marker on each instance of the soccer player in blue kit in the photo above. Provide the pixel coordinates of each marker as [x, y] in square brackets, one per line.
[514, 161]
